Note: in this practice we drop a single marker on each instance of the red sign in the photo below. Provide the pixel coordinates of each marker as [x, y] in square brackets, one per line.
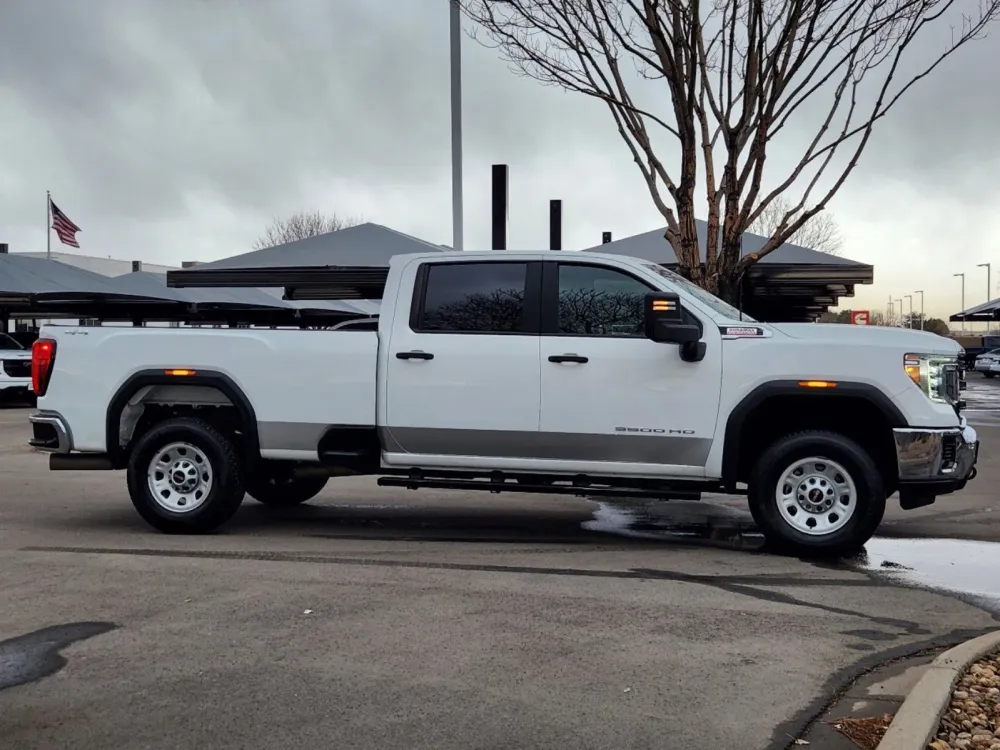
[859, 317]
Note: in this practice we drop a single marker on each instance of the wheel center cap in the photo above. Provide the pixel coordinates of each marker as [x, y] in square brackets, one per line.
[815, 496]
[184, 477]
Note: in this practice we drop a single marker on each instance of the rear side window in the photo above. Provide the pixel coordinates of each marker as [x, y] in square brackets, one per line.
[473, 298]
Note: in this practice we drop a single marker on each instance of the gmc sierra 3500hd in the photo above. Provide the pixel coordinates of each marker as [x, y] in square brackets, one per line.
[545, 372]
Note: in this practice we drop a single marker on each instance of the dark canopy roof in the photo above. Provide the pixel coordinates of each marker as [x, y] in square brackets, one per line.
[23, 278]
[793, 283]
[362, 245]
[39, 287]
[986, 311]
[365, 249]
[654, 247]
[155, 285]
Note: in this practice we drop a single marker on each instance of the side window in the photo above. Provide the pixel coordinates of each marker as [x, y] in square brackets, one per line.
[595, 301]
[473, 298]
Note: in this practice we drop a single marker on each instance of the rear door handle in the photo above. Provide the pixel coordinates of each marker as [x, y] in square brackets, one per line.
[414, 355]
[568, 358]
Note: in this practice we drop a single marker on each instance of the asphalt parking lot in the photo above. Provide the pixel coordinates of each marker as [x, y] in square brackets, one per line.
[381, 618]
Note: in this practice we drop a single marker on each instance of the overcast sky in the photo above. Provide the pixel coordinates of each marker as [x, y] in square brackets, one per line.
[173, 130]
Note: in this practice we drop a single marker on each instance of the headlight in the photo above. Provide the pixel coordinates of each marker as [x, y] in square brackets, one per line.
[935, 375]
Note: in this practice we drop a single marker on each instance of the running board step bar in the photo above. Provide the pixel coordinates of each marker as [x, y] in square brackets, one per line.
[488, 485]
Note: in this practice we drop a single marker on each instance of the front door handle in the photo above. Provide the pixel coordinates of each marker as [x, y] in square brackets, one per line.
[414, 355]
[568, 358]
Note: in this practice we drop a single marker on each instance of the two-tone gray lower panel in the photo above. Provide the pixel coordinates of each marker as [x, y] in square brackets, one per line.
[647, 448]
[290, 436]
[671, 450]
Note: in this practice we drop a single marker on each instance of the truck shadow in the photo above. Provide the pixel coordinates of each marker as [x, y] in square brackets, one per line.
[672, 525]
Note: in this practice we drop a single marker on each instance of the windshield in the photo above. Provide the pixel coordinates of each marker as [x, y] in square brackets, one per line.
[6, 342]
[723, 308]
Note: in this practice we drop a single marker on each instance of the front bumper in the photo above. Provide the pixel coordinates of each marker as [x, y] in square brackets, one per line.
[936, 461]
[50, 433]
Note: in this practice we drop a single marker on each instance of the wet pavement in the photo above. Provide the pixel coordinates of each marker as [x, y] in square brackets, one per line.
[379, 618]
[970, 569]
[982, 398]
[966, 568]
[33, 656]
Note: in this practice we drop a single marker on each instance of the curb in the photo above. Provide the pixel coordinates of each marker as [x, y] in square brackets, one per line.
[917, 720]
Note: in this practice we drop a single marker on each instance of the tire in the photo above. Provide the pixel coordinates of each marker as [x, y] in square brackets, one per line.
[989, 374]
[189, 450]
[825, 458]
[276, 490]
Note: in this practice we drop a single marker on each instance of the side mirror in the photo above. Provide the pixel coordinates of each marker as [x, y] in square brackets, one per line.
[664, 321]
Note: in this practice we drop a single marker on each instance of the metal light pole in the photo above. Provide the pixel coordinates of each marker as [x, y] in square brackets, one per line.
[909, 322]
[892, 313]
[457, 232]
[963, 298]
[989, 288]
[900, 301]
[921, 293]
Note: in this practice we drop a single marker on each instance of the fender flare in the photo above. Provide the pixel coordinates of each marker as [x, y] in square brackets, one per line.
[210, 378]
[778, 388]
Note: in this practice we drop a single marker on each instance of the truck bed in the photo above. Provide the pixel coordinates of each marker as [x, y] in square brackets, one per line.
[298, 382]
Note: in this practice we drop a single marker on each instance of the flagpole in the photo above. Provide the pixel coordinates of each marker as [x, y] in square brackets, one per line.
[48, 225]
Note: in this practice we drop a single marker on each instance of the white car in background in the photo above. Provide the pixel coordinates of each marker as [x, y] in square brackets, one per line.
[988, 363]
[15, 370]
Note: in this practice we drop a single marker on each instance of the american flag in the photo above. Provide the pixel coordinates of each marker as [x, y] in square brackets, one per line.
[65, 228]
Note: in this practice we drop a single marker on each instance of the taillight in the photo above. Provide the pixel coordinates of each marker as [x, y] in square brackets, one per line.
[43, 358]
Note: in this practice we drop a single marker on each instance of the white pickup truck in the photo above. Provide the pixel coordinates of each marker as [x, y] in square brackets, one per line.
[544, 372]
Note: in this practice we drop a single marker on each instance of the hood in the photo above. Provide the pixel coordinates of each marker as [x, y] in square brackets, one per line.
[919, 342]
[15, 354]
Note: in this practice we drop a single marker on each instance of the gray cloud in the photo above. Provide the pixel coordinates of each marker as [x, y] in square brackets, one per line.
[173, 129]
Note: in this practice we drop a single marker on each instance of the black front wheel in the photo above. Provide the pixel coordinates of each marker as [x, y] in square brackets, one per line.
[282, 490]
[185, 477]
[817, 493]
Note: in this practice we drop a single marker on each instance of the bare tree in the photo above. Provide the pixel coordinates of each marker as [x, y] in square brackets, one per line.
[733, 75]
[821, 232]
[301, 225]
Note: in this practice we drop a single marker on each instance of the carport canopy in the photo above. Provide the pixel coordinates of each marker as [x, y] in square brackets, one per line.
[984, 312]
[791, 284]
[25, 278]
[149, 284]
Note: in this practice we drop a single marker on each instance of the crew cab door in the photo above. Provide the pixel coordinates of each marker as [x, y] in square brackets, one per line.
[611, 399]
[463, 372]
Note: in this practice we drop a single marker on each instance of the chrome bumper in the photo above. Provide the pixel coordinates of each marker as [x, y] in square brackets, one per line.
[936, 455]
[50, 433]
